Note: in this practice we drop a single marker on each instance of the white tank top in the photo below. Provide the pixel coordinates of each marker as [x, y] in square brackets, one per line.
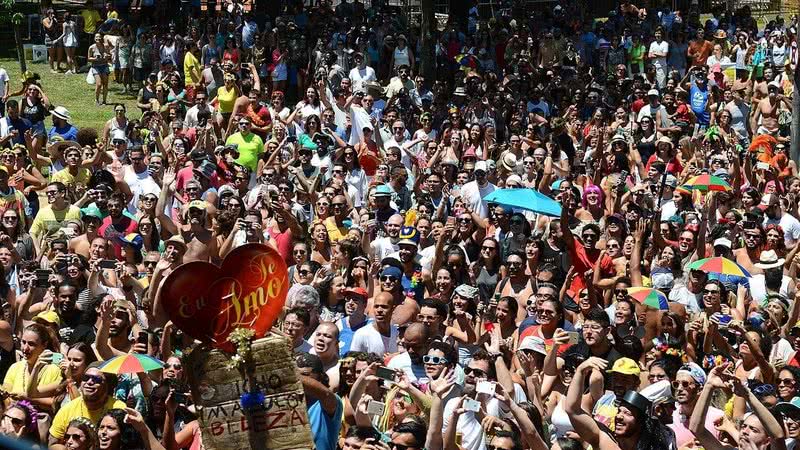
[401, 57]
[560, 420]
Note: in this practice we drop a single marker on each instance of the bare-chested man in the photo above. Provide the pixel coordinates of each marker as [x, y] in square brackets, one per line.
[174, 249]
[200, 243]
[81, 245]
[751, 252]
[760, 88]
[768, 110]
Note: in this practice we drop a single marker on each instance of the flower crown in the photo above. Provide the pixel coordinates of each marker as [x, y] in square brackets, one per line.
[33, 415]
[671, 351]
[85, 421]
[711, 361]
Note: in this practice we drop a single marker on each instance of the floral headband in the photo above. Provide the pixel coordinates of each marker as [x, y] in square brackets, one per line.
[667, 350]
[33, 415]
[84, 421]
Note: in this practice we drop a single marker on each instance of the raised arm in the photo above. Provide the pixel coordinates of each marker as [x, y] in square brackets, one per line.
[697, 421]
[581, 420]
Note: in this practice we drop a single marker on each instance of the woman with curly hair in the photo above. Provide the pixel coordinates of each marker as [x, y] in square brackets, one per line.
[321, 251]
[113, 433]
[332, 298]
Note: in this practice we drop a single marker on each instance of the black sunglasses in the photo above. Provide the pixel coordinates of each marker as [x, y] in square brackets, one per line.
[95, 379]
[477, 372]
[15, 421]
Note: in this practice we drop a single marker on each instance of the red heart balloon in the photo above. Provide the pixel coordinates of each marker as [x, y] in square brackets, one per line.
[208, 302]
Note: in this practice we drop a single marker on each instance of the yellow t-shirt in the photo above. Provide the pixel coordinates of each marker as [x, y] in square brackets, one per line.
[335, 233]
[226, 99]
[48, 221]
[17, 379]
[77, 408]
[190, 62]
[90, 19]
[70, 180]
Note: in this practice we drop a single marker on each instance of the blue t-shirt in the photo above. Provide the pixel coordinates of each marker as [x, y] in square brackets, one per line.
[69, 132]
[346, 334]
[21, 125]
[325, 428]
[699, 98]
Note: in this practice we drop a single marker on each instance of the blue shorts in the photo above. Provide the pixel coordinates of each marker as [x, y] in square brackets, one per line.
[101, 70]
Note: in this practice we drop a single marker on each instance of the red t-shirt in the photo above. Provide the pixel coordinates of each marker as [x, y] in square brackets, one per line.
[283, 242]
[674, 167]
[536, 331]
[112, 232]
[582, 260]
[637, 105]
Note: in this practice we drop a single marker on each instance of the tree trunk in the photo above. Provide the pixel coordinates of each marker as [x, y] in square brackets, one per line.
[794, 149]
[20, 51]
[427, 60]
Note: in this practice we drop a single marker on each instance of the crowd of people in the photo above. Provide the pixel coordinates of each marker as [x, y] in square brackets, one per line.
[421, 314]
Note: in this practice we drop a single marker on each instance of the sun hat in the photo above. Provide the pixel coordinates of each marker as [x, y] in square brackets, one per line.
[769, 260]
[61, 113]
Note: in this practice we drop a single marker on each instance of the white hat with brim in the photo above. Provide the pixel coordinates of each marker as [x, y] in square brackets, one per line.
[769, 260]
[533, 343]
[61, 113]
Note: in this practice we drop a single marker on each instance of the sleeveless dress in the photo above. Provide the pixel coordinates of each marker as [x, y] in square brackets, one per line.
[487, 282]
[401, 57]
[70, 37]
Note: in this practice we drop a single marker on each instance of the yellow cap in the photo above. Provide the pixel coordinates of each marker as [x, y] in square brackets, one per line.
[198, 204]
[625, 366]
[49, 317]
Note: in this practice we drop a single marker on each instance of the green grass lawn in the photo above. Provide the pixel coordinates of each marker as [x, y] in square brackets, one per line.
[73, 93]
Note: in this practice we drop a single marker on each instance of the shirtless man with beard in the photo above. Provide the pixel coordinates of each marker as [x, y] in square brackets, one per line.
[750, 253]
[200, 242]
[768, 110]
[760, 88]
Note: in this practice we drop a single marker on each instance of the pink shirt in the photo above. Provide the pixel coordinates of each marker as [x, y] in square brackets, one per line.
[681, 425]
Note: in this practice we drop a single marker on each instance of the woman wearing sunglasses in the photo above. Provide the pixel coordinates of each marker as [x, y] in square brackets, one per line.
[73, 366]
[80, 435]
[20, 422]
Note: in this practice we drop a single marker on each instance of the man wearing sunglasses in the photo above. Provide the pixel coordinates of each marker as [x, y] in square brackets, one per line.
[249, 144]
[468, 423]
[415, 341]
[475, 191]
[686, 389]
[50, 219]
[95, 400]
[401, 81]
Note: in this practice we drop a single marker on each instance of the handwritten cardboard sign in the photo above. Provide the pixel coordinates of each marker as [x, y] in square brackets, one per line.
[282, 424]
[208, 302]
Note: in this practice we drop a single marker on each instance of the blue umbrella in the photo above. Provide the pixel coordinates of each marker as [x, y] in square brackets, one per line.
[527, 199]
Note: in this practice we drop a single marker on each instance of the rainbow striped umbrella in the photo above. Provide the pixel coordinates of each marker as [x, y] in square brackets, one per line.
[708, 182]
[649, 297]
[720, 265]
[131, 363]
